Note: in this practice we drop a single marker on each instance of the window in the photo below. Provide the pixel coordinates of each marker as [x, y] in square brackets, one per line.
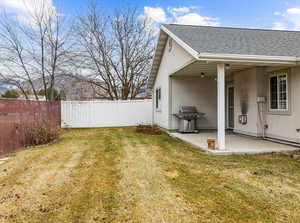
[170, 44]
[158, 99]
[279, 92]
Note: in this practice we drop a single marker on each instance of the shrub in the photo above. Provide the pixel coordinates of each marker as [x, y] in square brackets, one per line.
[10, 94]
[149, 129]
[40, 133]
[57, 96]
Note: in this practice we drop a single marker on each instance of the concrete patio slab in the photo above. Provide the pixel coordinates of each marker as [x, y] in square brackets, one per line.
[235, 144]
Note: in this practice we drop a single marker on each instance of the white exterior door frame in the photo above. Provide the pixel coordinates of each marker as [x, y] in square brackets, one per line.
[227, 105]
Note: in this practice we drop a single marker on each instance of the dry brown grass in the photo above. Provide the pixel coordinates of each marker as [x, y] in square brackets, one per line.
[118, 175]
[144, 192]
[70, 181]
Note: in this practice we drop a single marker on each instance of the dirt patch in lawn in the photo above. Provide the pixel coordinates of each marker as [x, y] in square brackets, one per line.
[144, 191]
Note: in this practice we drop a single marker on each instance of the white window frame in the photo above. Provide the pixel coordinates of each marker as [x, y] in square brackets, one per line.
[158, 100]
[277, 74]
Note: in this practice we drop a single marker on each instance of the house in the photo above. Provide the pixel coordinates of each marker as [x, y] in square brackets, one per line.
[246, 80]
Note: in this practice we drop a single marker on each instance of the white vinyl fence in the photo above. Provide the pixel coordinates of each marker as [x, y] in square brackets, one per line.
[87, 114]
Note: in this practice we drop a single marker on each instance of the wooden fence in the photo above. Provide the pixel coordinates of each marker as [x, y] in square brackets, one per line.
[16, 115]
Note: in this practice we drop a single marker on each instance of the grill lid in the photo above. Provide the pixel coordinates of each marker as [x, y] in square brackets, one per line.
[188, 109]
[188, 113]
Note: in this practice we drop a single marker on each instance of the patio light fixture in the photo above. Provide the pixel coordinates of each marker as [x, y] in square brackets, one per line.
[202, 75]
[227, 66]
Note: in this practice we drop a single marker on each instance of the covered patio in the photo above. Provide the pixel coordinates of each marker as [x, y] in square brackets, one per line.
[213, 80]
[235, 143]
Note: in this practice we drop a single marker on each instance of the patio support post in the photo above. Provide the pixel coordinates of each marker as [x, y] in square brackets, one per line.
[221, 106]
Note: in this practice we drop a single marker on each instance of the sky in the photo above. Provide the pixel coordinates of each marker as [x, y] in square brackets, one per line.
[267, 14]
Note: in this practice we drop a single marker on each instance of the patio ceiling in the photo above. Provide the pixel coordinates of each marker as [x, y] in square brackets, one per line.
[210, 68]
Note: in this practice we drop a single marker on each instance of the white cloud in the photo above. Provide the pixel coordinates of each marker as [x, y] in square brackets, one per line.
[156, 14]
[15, 4]
[293, 11]
[279, 26]
[290, 19]
[196, 19]
[182, 15]
[277, 13]
[24, 9]
[293, 16]
[180, 10]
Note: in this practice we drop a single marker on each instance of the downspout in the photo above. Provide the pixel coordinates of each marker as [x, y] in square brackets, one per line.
[261, 111]
[263, 120]
[170, 104]
[153, 98]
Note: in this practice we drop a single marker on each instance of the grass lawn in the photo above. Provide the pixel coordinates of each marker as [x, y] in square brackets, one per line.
[117, 175]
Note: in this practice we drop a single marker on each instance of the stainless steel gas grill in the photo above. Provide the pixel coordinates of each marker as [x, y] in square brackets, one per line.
[187, 117]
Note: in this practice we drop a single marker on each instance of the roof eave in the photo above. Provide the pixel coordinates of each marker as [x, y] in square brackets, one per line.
[159, 48]
[243, 58]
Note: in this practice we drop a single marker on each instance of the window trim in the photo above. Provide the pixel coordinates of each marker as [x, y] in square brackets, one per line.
[288, 90]
[158, 100]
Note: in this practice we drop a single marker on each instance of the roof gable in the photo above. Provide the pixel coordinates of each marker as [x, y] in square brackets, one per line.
[220, 40]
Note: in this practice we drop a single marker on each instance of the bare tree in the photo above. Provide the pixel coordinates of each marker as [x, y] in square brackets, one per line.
[115, 51]
[34, 49]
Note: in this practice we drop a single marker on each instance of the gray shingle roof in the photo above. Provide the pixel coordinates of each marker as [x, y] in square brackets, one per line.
[219, 40]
